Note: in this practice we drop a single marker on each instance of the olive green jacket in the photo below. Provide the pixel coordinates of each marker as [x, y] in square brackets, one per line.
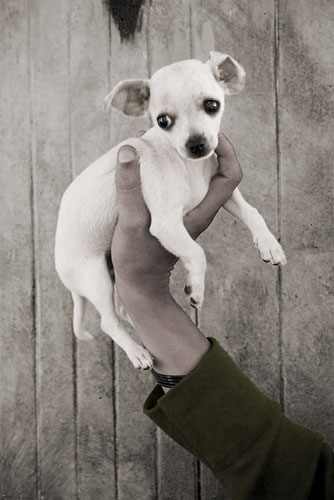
[221, 417]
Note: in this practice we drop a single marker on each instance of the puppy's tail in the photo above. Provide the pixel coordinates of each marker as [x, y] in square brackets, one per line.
[79, 306]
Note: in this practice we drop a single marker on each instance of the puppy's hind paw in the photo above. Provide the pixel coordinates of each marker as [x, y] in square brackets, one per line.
[140, 357]
[195, 299]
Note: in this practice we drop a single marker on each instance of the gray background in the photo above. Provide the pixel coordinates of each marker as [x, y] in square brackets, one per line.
[71, 413]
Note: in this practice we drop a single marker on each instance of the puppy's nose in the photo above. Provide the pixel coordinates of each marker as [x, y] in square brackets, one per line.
[196, 146]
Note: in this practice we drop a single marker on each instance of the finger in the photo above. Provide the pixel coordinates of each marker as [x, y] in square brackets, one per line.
[224, 145]
[127, 168]
[133, 212]
[199, 218]
[222, 185]
[140, 133]
[228, 163]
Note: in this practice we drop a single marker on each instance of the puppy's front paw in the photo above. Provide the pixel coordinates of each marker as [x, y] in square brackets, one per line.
[140, 357]
[269, 248]
[195, 292]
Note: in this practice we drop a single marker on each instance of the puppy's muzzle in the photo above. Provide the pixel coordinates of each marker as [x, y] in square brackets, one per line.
[196, 146]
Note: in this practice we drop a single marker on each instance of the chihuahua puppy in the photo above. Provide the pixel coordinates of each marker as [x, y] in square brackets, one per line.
[186, 102]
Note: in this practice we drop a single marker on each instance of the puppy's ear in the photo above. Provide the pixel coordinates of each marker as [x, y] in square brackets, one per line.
[227, 71]
[130, 97]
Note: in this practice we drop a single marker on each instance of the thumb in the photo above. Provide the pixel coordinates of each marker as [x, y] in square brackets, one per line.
[132, 209]
[127, 168]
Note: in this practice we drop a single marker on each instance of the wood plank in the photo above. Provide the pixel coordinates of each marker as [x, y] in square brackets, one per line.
[52, 173]
[89, 57]
[241, 308]
[17, 391]
[169, 41]
[135, 445]
[306, 75]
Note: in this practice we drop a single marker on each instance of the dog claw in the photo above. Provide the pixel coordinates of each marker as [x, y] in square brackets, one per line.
[196, 303]
[140, 358]
[269, 248]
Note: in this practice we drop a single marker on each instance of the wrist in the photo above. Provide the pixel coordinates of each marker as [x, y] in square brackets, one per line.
[165, 330]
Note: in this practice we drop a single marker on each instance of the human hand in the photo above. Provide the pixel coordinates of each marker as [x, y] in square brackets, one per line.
[142, 266]
[138, 257]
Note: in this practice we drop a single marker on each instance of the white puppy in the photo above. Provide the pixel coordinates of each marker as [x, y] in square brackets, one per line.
[186, 102]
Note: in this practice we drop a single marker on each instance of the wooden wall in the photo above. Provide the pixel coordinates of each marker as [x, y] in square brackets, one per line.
[71, 413]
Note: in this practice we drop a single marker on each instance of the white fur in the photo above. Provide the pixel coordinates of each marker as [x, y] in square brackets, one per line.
[172, 184]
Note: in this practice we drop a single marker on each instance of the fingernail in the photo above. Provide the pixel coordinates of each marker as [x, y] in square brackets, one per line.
[126, 155]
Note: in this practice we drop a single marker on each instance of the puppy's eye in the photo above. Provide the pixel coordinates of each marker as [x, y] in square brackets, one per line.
[211, 106]
[165, 121]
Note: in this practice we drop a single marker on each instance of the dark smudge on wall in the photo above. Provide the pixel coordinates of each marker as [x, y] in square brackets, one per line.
[127, 15]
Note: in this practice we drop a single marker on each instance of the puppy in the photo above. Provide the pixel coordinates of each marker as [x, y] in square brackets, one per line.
[186, 102]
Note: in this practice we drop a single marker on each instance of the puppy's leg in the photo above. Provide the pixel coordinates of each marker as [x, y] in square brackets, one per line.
[174, 237]
[99, 290]
[79, 306]
[269, 248]
[120, 309]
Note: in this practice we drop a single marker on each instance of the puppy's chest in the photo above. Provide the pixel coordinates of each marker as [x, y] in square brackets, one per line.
[197, 182]
[195, 190]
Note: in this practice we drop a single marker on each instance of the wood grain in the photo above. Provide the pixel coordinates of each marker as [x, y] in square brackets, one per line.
[52, 174]
[18, 465]
[306, 78]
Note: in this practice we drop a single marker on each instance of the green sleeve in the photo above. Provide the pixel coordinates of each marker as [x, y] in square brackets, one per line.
[220, 416]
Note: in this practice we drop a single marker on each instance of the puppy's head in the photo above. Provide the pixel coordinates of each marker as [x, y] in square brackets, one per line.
[185, 101]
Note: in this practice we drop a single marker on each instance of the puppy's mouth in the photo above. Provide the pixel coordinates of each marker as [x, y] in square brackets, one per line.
[195, 157]
[199, 156]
